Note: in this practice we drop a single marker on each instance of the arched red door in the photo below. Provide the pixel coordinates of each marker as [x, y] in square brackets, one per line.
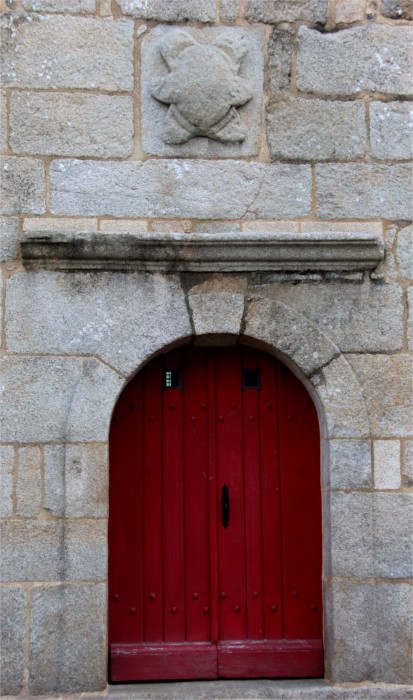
[215, 552]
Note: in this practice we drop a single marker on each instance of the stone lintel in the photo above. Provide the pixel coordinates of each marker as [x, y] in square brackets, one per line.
[217, 252]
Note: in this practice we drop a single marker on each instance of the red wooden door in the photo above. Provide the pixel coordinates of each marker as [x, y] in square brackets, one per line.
[215, 521]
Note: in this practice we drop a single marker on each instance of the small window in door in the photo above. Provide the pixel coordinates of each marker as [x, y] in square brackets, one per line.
[251, 378]
[172, 379]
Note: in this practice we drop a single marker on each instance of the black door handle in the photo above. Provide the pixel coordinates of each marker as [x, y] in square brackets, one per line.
[225, 505]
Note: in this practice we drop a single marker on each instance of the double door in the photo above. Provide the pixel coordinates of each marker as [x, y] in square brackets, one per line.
[215, 521]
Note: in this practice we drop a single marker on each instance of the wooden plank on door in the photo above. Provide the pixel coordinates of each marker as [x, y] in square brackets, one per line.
[271, 659]
[146, 662]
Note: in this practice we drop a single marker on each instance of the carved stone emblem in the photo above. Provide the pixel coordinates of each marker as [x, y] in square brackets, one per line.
[203, 89]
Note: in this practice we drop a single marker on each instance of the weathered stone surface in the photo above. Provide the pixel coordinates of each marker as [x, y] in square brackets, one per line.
[274, 11]
[369, 58]
[410, 317]
[387, 473]
[60, 5]
[81, 313]
[3, 121]
[375, 227]
[391, 125]
[397, 9]
[22, 186]
[342, 400]
[219, 112]
[125, 226]
[215, 226]
[393, 546]
[407, 464]
[155, 188]
[50, 398]
[76, 480]
[170, 10]
[183, 226]
[6, 479]
[29, 481]
[71, 124]
[386, 391]
[9, 235]
[364, 191]
[68, 639]
[53, 550]
[404, 252]
[299, 129]
[350, 464]
[369, 627]
[66, 52]
[13, 631]
[348, 11]
[356, 317]
[32, 223]
[280, 49]
[229, 10]
[217, 306]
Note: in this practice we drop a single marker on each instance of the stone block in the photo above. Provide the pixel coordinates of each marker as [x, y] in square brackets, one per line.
[76, 480]
[218, 114]
[32, 223]
[22, 186]
[280, 50]
[53, 550]
[68, 645]
[368, 58]
[13, 603]
[387, 468]
[229, 10]
[29, 481]
[66, 52]
[60, 5]
[217, 306]
[386, 391]
[216, 227]
[397, 9]
[270, 226]
[410, 317]
[71, 124]
[364, 191]
[391, 125]
[357, 318]
[6, 479]
[404, 252]
[155, 188]
[299, 129]
[393, 527]
[3, 121]
[407, 464]
[348, 11]
[163, 226]
[369, 627]
[274, 11]
[375, 227]
[352, 535]
[350, 464]
[126, 226]
[170, 10]
[57, 399]
[80, 313]
[9, 237]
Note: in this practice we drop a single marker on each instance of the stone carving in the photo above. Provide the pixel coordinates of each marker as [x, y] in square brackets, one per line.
[203, 88]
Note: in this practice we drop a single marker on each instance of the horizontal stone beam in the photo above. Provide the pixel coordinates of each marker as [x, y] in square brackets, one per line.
[180, 252]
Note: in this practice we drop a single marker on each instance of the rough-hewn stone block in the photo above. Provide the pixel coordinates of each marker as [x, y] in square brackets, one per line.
[53, 550]
[348, 11]
[229, 10]
[393, 546]
[217, 306]
[356, 317]
[29, 481]
[60, 5]
[71, 124]
[6, 479]
[410, 317]
[36, 223]
[125, 226]
[370, 58]
[170, 10]
[387, 393]
[274, 11]
[180, 188]
[391, 125]
[50, 398]
[66, 52]
[9, 235]
[350, 464]
[12, 634]
[364, 191]
[299, 129]
[387, 473]
[397, 9]
[22, 186]
[407, 464]
[68, 639]
[280, 49]
[3, 121]
[77, 313]
[76, 480]
[404, 252]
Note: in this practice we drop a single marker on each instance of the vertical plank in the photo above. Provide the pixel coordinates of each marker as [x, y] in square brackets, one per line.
[173, 507]
[231, 540]
[253, 521]
[125, 517]
[271, 499]
[197, 564]
[152, 504]
[301, 509]
[213, 513]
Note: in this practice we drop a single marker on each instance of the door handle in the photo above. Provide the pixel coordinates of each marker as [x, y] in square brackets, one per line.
[225, 505]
